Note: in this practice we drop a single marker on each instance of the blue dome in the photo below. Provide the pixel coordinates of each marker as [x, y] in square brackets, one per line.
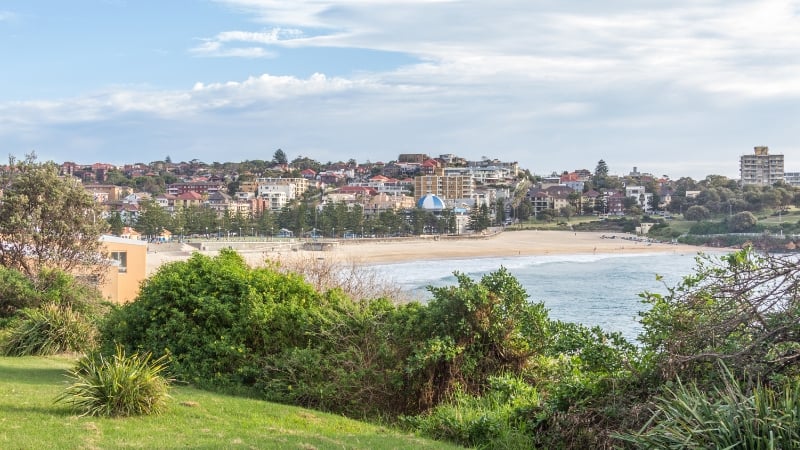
[430, 201]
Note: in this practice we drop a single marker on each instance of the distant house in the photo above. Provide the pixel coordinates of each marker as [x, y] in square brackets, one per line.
[130, 233]
[188, 199]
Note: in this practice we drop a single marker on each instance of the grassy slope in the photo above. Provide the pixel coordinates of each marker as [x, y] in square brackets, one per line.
[29, 419]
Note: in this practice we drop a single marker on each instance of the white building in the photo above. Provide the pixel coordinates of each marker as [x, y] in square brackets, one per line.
[643, 198]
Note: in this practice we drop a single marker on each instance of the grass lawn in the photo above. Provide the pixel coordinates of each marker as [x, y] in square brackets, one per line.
[194, 419]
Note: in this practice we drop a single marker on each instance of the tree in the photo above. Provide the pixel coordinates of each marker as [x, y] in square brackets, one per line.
[49, 222]
[279, 157]
[479, 218]
[524, 210]
[152, 218]
[567, 211]
[697, 213]
[600, 174]
[742, 221]
[115, 223]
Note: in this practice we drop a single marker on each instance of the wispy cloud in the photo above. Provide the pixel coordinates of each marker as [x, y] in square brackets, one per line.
[229, 43]
[713, 46]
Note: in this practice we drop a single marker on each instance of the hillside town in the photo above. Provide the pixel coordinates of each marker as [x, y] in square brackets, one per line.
[414, 194]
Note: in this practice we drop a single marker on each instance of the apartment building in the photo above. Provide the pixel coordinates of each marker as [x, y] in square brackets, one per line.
[447, 187]
[761, 168]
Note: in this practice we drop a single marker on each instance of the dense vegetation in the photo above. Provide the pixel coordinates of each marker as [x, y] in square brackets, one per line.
[480, 364]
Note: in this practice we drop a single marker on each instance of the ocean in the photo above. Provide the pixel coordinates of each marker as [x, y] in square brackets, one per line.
[601, 289]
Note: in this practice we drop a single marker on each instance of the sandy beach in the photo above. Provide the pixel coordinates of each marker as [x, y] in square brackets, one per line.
[508, 243]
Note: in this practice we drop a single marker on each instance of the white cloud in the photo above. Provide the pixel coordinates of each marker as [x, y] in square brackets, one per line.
[226, 43]
[542, 82]
[695, 44]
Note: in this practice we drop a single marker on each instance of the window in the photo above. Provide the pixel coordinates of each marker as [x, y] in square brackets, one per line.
[120, 259]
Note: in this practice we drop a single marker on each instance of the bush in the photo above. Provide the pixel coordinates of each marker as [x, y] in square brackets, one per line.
[494, 420]
[48, 330]
[473, 331]
[742, 308]
[50, 286]
[120, 386]
[726, 417]
[218, 318]
[16, 292]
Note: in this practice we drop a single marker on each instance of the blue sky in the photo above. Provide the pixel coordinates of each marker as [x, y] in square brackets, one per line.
[681, 88]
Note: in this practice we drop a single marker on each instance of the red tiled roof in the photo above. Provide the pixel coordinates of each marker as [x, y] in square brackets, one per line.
[191, 195]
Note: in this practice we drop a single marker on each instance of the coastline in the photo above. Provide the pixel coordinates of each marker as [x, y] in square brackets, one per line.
[503, 244]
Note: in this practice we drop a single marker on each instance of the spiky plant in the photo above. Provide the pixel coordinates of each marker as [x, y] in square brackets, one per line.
[48, 330]
[729, 416]
[117, 386]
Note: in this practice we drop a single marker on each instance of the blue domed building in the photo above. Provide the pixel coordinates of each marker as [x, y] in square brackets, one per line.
[430, 202]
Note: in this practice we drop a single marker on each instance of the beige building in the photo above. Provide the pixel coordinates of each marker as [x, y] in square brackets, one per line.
[446, 187]
[104, 193]
[761, 168]
[127, 270]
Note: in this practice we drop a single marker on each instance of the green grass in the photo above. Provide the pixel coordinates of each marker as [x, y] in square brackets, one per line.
[194, 419]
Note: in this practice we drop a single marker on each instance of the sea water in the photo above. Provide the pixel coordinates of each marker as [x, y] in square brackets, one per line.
[601, 289]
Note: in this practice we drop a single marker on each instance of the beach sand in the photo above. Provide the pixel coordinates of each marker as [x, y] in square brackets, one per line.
[507, 243]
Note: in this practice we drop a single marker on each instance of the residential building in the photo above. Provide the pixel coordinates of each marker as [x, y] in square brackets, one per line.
[417, 158]
[482, 174]
[294, 187]
[552, 197]
[391, 186]
[446, 187]
[512, 168]
[188, 199]
[200, 187]
[761, 168]
[385, 202]
[792, 178]
[642, 197]
[104, 193]
[615, 203]
[166, 201]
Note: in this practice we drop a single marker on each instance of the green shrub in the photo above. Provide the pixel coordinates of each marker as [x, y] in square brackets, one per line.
[217, 317]
[48, 330]
[355, 365]
[496, 419]
[119, 386]
[63, 289]
[50, 286]
[473, 331]
[727, 417]
[16, 292]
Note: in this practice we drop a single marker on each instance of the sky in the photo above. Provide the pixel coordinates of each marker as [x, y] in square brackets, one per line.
[678, 88]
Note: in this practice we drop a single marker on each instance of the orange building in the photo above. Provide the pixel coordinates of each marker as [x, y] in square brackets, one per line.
[127, 270]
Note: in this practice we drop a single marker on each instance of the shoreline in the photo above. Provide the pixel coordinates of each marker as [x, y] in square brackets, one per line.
[503, 244]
